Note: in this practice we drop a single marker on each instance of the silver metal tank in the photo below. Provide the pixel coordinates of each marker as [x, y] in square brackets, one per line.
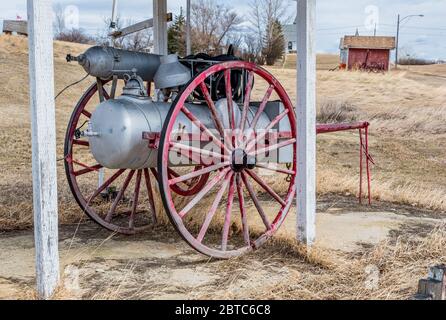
[117, 127]
[105, 62]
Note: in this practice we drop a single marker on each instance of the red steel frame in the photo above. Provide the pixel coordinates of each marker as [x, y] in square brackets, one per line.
[363, 128]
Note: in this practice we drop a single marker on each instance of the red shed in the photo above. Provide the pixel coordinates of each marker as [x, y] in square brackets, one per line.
[366, 53]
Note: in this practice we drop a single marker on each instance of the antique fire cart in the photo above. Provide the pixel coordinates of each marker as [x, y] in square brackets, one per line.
[215, 140]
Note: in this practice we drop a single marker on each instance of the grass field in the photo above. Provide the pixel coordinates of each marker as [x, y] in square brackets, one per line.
[407, 111]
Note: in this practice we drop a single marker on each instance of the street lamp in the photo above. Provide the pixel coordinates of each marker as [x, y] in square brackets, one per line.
[398, 33]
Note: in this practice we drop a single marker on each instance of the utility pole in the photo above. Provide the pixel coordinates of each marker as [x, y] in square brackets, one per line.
[398, 33]
[397, 41]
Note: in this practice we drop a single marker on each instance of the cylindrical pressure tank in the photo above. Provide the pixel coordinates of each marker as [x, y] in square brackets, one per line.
[118, 127]
[105, 62]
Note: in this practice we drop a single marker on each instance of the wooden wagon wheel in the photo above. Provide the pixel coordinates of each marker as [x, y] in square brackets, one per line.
[234, 172]
[105, 200]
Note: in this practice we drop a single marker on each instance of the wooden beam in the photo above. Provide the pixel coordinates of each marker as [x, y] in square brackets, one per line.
[434, 287]
[42, 107]
[146, 24]
[306, 116]
[160, 27]
[20, 27]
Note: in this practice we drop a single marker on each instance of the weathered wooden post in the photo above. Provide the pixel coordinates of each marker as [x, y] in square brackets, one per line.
[306, 117]
[160, 26]
[434, 287]
[42, 106]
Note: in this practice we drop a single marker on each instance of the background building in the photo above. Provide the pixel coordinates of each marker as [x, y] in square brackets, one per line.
[366, 52]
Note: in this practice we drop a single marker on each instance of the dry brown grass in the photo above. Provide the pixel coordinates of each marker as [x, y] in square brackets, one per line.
[408, 139]
[408, 135]
[390, 271]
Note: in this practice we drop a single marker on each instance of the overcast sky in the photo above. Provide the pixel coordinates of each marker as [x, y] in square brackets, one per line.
[421, 37]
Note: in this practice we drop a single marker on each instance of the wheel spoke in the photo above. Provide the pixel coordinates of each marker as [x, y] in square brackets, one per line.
[203, 192]
[198, 173]
[275, 147]
[204, 129]
[227, 224]
[241, 200]
[214, 208]
[150, 194]
[214, 113]
[197, 151]
[229, 99]
[86, 170]
[246, 103]
[274, 169]
[86, 113]
[262, 106]
[106, 184]
[155, 174]
[176, 175]
[263, 134]
[112, 211]
[194, 158]
[256, 201]
[135, 200]
[81, 143]
[266, 187]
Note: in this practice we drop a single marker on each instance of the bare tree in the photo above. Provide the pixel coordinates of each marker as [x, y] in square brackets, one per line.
[263, 17]
[74, 35]
[59, 19]
[212, 24]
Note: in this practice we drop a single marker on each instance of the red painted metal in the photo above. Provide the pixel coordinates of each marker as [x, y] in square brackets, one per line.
[363, 128]
[329, 128]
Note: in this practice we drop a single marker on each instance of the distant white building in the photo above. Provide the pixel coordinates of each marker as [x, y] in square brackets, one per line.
[290, 33]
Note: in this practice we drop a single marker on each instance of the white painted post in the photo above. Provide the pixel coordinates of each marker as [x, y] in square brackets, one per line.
[306, 116]
[42, 106]
[160, 26]
[188, 29]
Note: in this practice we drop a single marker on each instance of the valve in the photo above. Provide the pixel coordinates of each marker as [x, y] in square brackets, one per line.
[71, 58]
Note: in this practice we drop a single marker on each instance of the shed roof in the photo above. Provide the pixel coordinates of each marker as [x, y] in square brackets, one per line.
[368, 42]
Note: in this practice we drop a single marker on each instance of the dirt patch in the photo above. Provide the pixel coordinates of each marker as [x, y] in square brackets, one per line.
[159, 265]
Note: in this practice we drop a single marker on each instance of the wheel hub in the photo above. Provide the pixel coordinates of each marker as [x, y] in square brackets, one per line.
[241, 160]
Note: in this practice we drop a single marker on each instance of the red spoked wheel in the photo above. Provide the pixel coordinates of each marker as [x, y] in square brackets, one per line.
[118, 200]
[244, 200]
